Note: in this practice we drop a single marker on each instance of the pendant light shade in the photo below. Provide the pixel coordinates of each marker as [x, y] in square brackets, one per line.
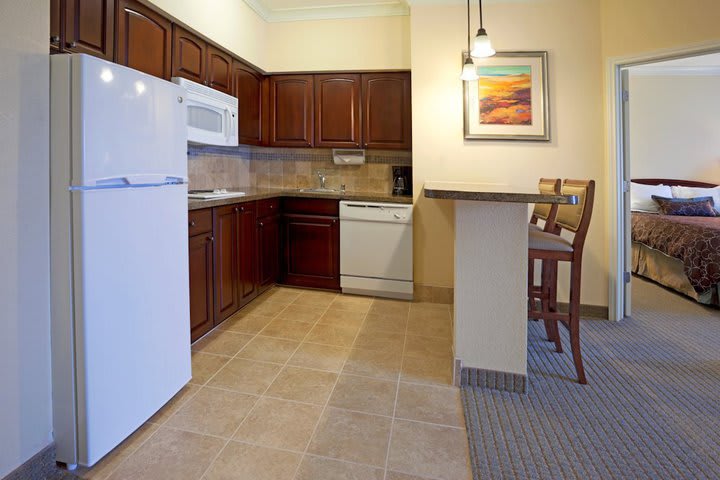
[482, 46]
[469, 71]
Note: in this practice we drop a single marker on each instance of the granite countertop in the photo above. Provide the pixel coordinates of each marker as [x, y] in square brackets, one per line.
[252, 193]
[492, 192]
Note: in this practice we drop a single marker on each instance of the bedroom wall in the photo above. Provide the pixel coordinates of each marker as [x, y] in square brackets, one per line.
[674, 127]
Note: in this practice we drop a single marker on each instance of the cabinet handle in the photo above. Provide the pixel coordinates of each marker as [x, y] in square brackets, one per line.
[210, 239]
[55, 39]
[192, 223]
[242, 209]
[334, 221]
[207, 83]
[261, 224]
[71, 44]
[236, 209]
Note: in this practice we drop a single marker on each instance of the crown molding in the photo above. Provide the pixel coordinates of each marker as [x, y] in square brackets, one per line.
[674, 71]
[380, 9]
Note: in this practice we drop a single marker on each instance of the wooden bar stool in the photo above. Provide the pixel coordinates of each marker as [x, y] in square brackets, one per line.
[547, 213]
[552, 248]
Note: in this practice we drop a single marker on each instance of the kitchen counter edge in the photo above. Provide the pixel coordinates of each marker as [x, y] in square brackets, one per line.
[198, 204]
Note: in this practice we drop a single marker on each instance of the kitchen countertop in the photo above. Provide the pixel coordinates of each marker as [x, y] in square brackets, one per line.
[252, 193]
[492, 192]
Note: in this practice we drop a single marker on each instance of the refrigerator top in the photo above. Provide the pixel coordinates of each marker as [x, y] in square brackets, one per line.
[126, 127]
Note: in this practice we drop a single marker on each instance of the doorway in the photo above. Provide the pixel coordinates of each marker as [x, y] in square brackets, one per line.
[621, 141]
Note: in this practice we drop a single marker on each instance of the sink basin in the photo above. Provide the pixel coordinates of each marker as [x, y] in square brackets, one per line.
[318, 190]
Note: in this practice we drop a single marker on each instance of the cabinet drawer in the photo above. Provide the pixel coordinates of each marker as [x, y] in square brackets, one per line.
[199, 221]
[267, 207]
[311, 206]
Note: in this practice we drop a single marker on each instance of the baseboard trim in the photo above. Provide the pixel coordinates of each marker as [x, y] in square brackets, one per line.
[503, 381]
[40, 466]
[588, 311]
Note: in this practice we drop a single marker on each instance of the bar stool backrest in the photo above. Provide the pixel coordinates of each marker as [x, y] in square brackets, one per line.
[576, 218]
[546, 211]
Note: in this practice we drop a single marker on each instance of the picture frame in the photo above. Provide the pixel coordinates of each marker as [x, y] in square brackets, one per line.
[510, 101]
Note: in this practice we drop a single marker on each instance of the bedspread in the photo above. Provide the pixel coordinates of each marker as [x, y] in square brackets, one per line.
[694, 240]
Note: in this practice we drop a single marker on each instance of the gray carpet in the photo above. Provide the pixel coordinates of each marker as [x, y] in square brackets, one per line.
[651, 409]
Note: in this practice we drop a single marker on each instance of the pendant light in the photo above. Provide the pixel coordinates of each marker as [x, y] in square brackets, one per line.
[482, 47]
[469, 71]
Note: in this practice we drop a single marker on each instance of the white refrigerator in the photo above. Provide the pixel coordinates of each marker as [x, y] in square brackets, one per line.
[119, 252]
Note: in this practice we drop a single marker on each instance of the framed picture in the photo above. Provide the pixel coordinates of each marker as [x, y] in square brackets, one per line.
[510, 99]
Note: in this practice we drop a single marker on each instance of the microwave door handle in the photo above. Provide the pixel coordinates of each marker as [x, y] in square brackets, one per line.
[229, 123]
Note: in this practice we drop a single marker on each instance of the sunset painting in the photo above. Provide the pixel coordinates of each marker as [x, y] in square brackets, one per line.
[504, 94]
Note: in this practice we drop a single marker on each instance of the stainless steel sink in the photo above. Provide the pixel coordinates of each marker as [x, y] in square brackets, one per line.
[318, 190]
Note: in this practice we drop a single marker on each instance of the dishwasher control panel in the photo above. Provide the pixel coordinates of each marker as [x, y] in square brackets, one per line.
[376, 212]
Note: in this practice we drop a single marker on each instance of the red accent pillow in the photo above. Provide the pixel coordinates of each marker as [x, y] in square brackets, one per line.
[687, 207]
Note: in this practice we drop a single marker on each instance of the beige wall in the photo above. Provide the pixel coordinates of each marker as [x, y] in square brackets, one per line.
[673, 127]
[372, 43]
[570, 31]
[631, 27]
[230, 23]
[25, 405]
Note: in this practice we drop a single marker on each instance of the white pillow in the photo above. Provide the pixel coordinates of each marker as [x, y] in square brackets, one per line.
[641, 196]
[692, 192]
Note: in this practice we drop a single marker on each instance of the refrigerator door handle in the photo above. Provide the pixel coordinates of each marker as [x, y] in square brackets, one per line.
[141, 179]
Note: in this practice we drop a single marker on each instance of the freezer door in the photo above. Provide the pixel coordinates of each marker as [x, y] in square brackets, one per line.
[132, 320]
[127, 127]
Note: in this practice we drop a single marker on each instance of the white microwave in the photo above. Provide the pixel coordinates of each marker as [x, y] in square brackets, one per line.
[211, 115]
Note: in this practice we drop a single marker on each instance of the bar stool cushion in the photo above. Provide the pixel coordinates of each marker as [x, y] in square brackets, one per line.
[548, 241]
[533, 227]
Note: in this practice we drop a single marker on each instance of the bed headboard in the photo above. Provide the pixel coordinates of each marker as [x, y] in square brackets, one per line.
[673, 182]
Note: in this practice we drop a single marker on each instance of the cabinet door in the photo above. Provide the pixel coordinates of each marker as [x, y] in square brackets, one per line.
[144, 39]
[312, 253]
[225, 230]
[201, 285]
[337, 111]
[219, 70]
[89, 26]
[386, 111]
[291, 111]
[56, 25]
[268, 251]
[188, 55]
[251, 89]
[247, 253]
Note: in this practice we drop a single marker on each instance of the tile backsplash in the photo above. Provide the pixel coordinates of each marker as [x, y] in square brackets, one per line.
[214, 167]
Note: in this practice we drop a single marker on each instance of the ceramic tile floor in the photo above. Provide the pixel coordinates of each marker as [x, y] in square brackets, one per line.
[310, 385]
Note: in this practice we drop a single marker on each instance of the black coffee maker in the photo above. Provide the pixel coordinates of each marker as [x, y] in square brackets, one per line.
[402, 180]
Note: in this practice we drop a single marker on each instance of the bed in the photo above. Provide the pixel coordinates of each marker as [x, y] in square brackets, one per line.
[682, 253]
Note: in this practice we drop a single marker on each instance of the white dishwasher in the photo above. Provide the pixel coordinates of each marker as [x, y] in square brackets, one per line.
[376, 249]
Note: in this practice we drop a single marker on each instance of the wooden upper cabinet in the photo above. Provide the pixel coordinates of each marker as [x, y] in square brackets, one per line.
[291, 111]
[89, 26]
[387, 117]
[144, 39]
[251, 89]
[56, 25]
[188, 56]
[219, 68]
[337, 111]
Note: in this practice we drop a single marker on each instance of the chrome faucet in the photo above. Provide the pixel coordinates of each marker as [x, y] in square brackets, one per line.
[321, 177]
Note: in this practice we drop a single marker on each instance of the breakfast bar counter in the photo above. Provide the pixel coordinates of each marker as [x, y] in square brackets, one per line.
[491, 257]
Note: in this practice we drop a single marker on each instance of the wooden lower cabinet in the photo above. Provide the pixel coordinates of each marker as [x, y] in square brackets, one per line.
[201, 273]
[311, 251]
[201, 285]
[268, 242]
[234, 258]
